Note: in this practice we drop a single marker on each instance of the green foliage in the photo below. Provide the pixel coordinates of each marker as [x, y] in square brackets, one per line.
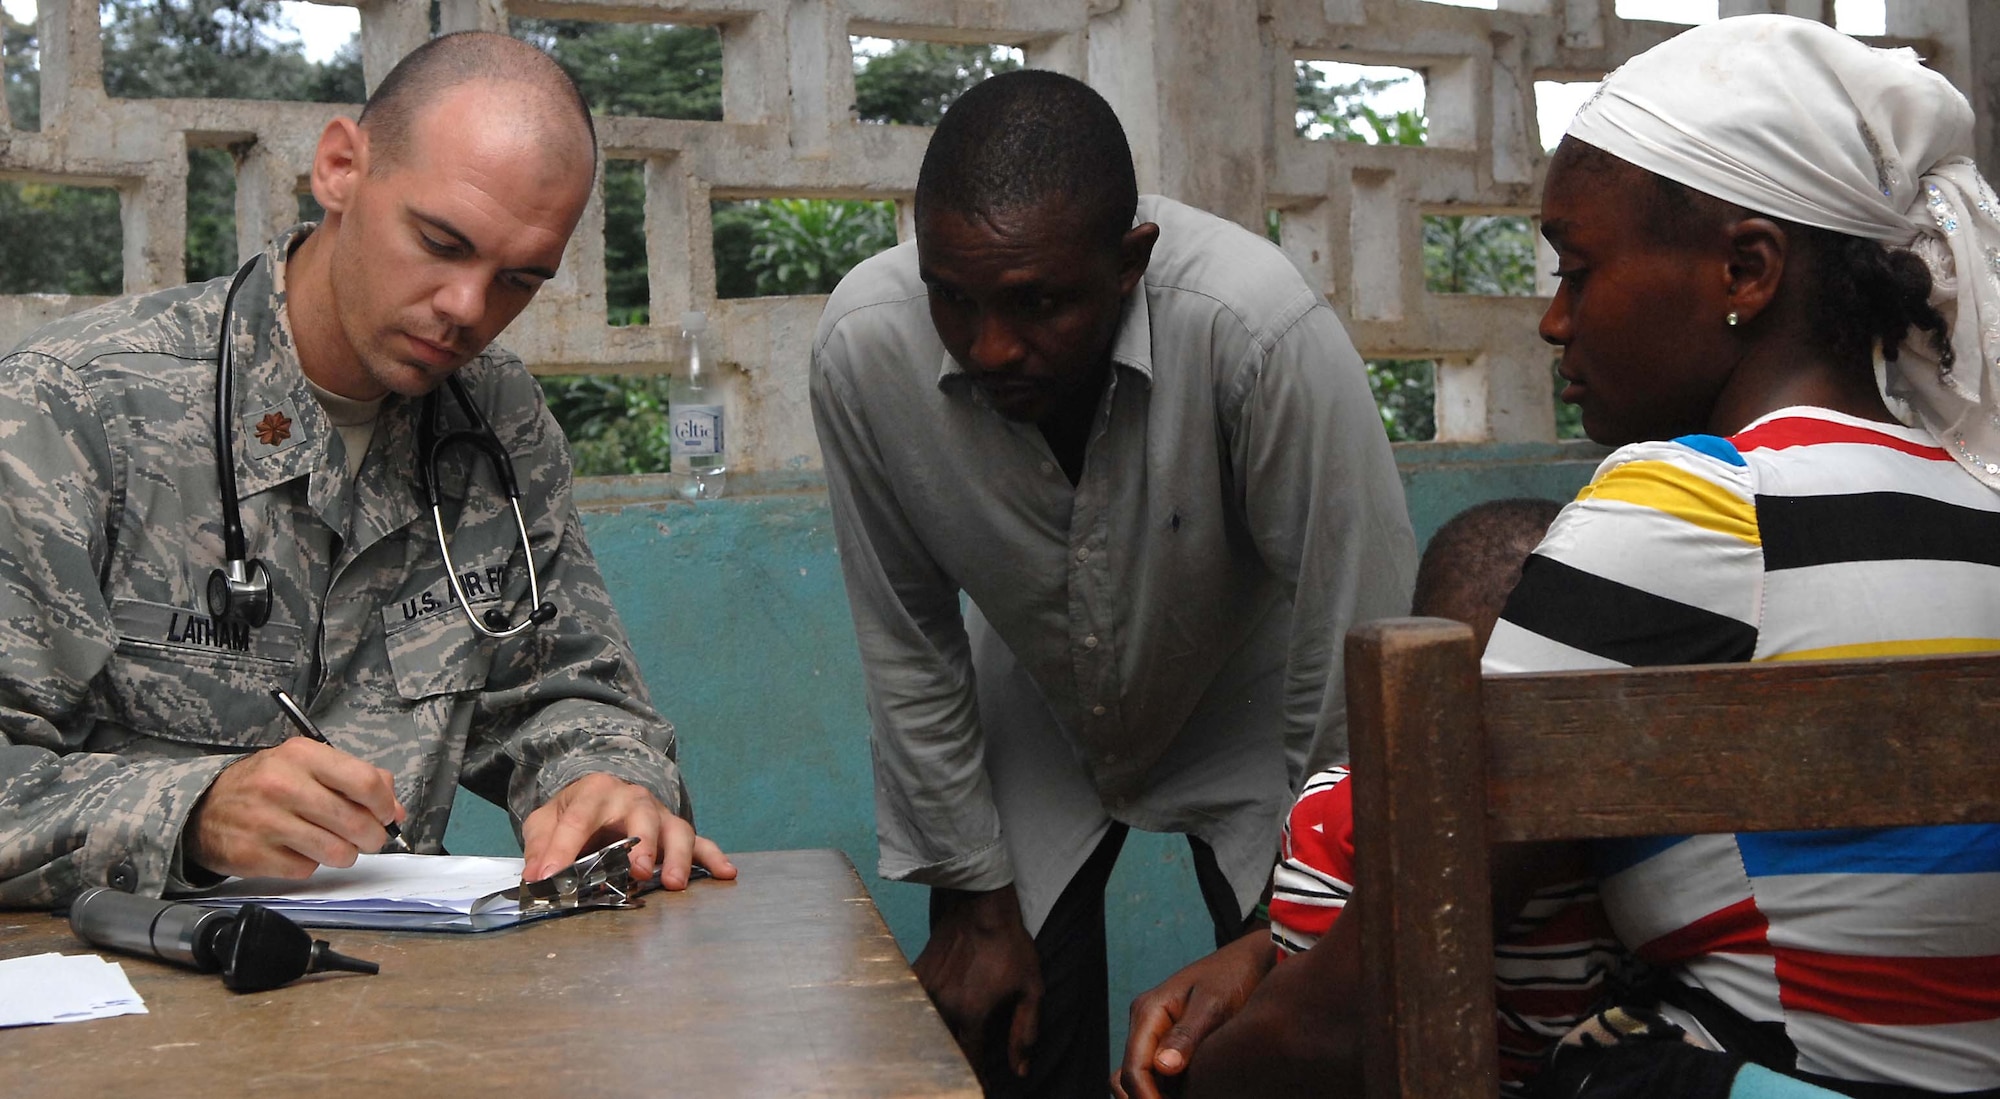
[636, 68]
[1401, 128]
[211, 214]
[218, 49]
[914, 82]
[615, 423]
[60, 240]
[626, 287]
[735, 226]
[805, 246]
[1406, 396]
[1340, 112]
[23, 72]
[795, 245]
[1479, 254]
[66, 239]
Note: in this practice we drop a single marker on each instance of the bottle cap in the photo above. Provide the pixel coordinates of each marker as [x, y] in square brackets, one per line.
[694, 320]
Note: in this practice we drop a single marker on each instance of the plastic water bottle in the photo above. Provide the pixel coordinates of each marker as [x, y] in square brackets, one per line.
[694, 401]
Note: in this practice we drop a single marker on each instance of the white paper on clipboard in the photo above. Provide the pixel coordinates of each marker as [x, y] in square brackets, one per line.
[443, 886]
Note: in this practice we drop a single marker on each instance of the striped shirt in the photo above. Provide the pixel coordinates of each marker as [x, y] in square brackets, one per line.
[1549, 966]
[1809, 535]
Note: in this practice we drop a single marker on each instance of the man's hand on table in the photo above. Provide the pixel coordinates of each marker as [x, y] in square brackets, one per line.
[600, 809]
[981, 970]
[285, 811]
[1172, 1019]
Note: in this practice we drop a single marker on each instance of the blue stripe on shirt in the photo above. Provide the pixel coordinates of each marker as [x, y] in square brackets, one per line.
[1715, 447]
[1937, 849]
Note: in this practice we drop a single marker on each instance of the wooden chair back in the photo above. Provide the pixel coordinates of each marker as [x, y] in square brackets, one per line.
[1445, 764]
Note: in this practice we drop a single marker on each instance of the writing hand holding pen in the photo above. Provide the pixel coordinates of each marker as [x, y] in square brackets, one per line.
[287, 810]
[307, 728]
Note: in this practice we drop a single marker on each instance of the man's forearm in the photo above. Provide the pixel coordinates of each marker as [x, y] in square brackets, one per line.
[1299, 1034]
[129, 838]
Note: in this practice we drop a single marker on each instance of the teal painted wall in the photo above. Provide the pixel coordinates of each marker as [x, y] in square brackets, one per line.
[736, 610]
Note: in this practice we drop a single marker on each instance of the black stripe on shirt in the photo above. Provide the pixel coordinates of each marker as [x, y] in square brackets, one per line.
[1595, 976]
[1619, 622]
[1802, 531]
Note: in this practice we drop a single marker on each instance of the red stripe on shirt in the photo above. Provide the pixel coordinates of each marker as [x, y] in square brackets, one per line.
[1906, 991]
[1578, 921]
[1806, 431]
[1738, 929]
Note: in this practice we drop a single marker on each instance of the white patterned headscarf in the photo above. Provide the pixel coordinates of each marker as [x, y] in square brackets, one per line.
[1794, 119]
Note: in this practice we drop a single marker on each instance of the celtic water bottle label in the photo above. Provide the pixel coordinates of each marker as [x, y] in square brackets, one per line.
[697, 431]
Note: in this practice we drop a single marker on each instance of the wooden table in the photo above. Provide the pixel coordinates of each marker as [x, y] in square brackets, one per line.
[783, 983]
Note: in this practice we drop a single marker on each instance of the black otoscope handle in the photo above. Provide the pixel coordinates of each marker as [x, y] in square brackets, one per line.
[254, 948]
[182, 933]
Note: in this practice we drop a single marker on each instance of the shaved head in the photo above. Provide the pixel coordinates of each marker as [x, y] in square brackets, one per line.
[1027, 138]
[449, 203]
[536, 90]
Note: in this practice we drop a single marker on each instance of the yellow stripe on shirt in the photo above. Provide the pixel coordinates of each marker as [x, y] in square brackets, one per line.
[1923, 646]
[1668, 488]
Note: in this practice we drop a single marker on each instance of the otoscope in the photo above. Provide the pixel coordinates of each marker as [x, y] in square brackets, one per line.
[255, 948]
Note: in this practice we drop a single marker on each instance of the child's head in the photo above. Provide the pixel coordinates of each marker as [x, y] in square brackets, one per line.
[1475, 560]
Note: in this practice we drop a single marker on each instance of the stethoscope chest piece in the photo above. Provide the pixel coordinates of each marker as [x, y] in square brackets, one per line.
[240, 591]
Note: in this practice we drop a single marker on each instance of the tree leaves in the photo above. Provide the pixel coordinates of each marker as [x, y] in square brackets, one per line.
[913, 83]
[643, 69]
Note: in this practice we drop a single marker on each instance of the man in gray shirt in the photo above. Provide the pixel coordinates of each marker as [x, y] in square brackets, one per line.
[1143, 447]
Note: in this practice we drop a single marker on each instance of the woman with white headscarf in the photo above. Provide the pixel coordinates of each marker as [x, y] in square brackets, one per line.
[1746, 218]
[1780, 297]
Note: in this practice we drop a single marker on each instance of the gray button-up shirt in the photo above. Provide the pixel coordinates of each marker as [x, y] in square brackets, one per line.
[1175, 618]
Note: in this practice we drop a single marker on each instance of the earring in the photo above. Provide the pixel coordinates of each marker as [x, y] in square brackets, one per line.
[1732, 320]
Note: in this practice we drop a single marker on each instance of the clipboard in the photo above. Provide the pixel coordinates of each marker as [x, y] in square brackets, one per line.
[340, 899]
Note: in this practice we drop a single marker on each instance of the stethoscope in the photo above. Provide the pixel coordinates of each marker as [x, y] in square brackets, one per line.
[240, 591]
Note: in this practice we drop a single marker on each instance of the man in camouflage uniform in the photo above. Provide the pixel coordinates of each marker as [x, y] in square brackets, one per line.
[139, 743]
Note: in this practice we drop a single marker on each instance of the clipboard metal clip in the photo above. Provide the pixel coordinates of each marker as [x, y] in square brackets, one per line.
[601, 879]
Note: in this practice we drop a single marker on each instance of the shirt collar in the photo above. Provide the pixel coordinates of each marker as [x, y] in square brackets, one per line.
[282, 432]
[278, 431]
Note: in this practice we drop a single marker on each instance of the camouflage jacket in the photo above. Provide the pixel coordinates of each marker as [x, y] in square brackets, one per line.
[121, 700]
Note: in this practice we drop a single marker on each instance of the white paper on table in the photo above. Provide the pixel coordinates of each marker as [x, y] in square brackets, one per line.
[381, 883]
[59, 988]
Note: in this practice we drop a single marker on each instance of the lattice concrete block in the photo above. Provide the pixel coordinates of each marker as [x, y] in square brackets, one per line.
[1204, 88]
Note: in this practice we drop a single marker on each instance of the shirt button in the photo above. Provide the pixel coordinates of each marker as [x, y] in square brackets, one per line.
[123, 878]
[1048, 468]
[1110, 758]
[1083, 555]
[1090, 642]
[1097, 711]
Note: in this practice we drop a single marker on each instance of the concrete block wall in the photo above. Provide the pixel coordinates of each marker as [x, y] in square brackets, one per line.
[1204, 87]
[735, 606]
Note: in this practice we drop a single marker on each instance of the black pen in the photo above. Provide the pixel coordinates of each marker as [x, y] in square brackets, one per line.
[397, 844]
